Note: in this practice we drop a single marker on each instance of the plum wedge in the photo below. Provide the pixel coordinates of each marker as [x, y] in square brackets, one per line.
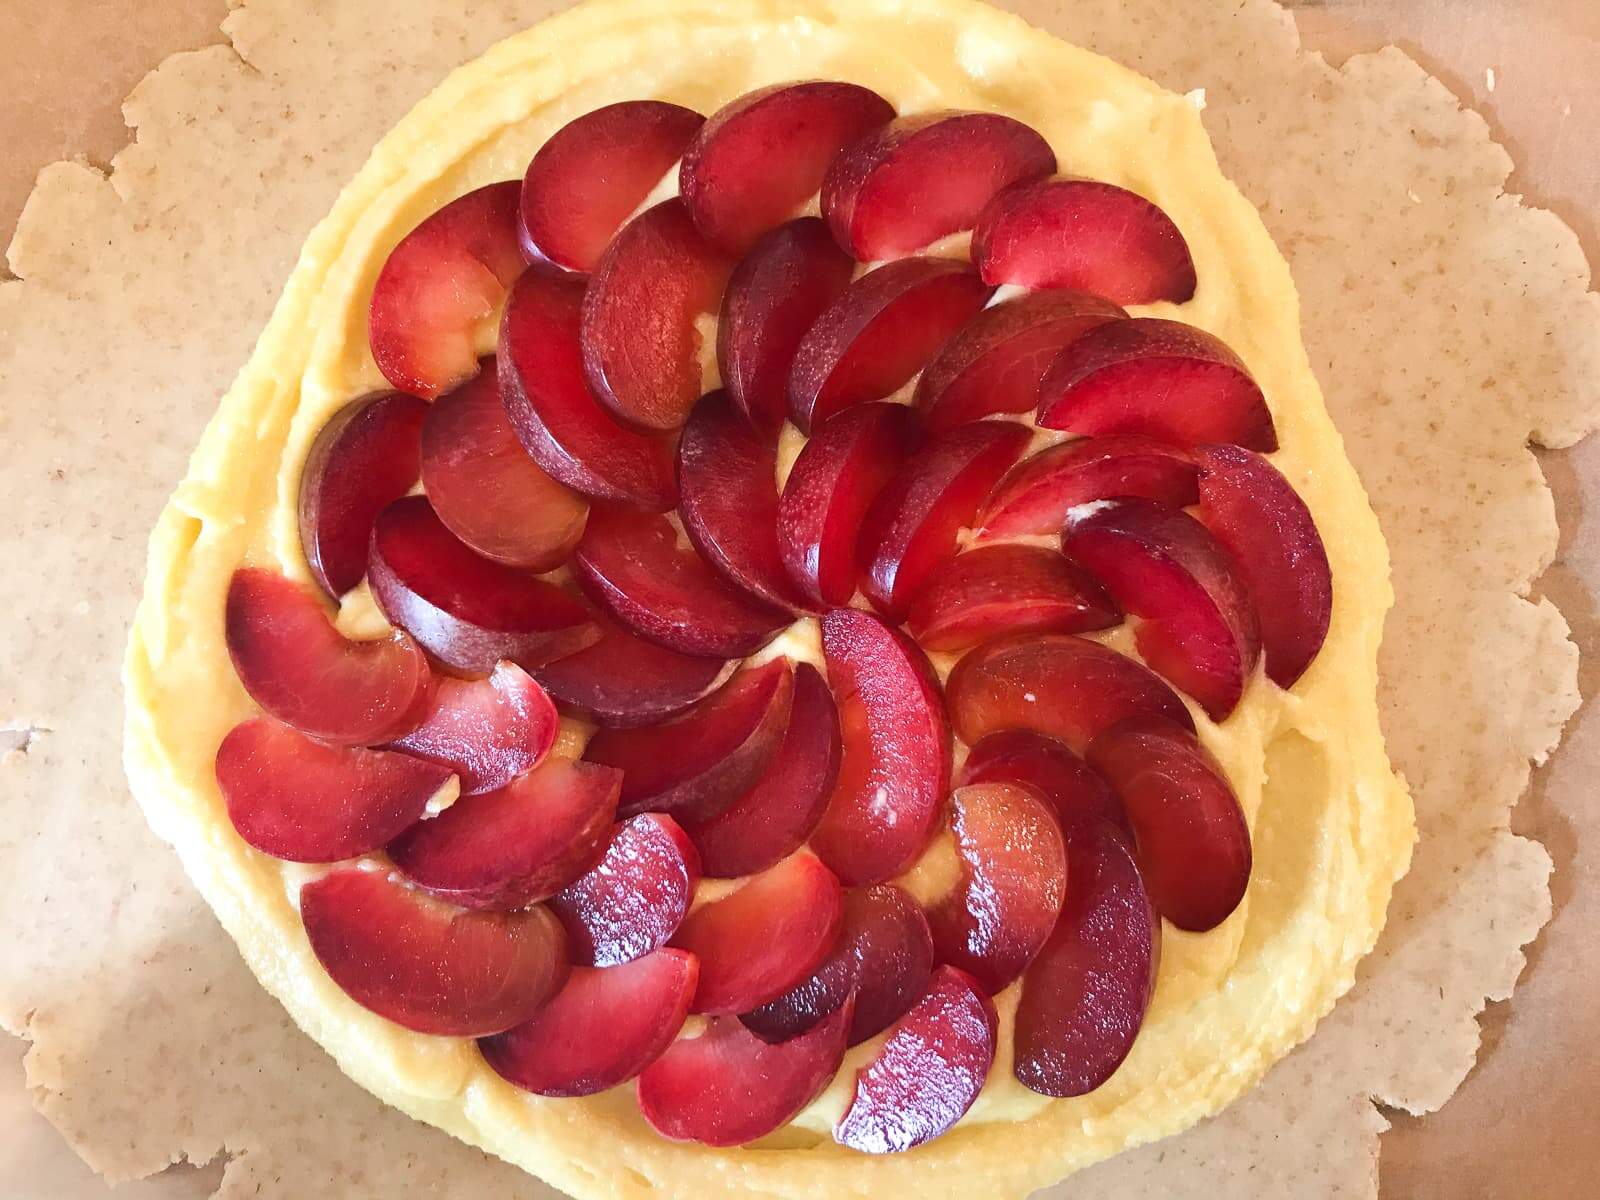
[1158, 378]
[995, 362]
[302, 800]
[1198, 627]
[1039, 492]
[698, 764]
[728, 481]
[727, 1087]
[1076, 793]
[775, 295]
[1059, 685]
[520, 843]
[487, 731]
[1013, 878]
[604, 1027]
[591, 175]
[1084, 998]
[1269, 531]
[363, 459]
[1066, 232]
[557, 418]
[486, 489]
[838, 474]
[1193, 843]
[633, 565]
[879, 333]
[641, 341]
[910, 530]
[775, 817]
[918, 178]
[883, 957]
[635, 897]
[996, 590]
[427, 965]
[756, 943]
[759, 158]
[928, 1072]
[467, 611]
[441, 286]
[302, 671]
[895, 767]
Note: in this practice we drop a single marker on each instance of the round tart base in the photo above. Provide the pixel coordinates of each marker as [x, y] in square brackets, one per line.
[1332, 826]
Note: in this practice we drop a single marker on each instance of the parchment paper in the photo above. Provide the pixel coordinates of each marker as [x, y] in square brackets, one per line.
[1447, 324]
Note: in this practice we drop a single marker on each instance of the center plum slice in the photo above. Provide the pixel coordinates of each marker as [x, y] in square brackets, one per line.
[995, 362]
[487, 731]
[1013, 878]
[1157, 378]
[760, 157]
[911, 529]
[1059, 685]
[698, 764]
[604, 1027]
[641, 342]
[758, 942]
[634, 566]
[635, 897]
[520, 843]
[302, 671]
[727, 477]
[299, 799]
[928, 1072]
[727, 1087]
[427, 965]
[557, 418]
[593, 173]
[895, 767]
[879, 333]
[485, 487]
[469, 612]
[1076, 793]
[440, 286]
[1198, 627]
[920, 177]
[1066, 232]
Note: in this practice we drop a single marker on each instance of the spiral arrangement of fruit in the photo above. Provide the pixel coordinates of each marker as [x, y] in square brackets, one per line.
[997, 460]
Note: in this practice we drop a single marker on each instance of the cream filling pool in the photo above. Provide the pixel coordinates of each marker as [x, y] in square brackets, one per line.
[1331, 826]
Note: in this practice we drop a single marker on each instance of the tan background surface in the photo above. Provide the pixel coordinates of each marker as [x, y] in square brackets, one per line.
[1523, 1123]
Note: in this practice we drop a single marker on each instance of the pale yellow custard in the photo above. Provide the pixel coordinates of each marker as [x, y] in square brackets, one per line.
[1332, 827]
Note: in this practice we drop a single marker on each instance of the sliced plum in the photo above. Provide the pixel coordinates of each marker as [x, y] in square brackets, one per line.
[995, 362]
[1076, 793]
[836, 477]
[760, 157]
[921, 177]
[441, 286]
[652, 289]
[1197, 626]
[302, 800]
[1067, 232]
[895, 767]
[557, 418]
[467, 611]
[1193, 842]
[635, 897]
[302, 671]
[774, 296]
[486, 731]
[364, 458]
[1157, 378]
[879, 333]
[593, 173]
[698, 764]
[1056, 684]
[910, 530]
[604, 1027]
[427, 965]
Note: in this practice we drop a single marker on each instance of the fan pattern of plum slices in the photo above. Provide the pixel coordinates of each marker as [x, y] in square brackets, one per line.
[608, 533]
